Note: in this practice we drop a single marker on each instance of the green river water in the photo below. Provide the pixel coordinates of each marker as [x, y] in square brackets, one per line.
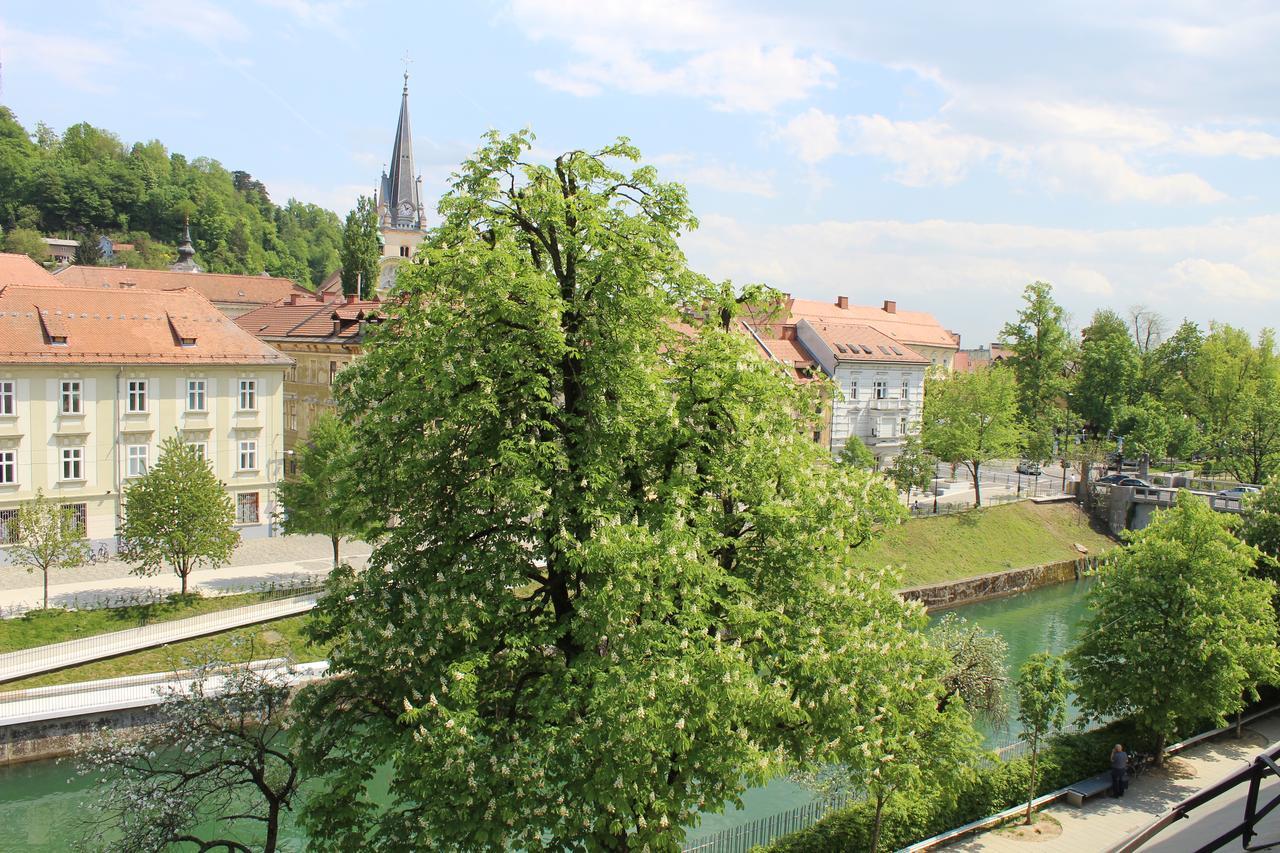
[41, 803]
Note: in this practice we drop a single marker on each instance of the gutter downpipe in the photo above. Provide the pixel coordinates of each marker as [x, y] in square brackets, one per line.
[115, 451]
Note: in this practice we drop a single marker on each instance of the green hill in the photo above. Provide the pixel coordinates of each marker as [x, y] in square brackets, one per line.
[1011, 536]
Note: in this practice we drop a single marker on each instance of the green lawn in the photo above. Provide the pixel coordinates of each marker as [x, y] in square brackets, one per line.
[41, 628]
[281, 638]
[1011, 536]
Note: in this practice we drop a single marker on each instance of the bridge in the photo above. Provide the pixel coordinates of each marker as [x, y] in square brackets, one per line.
[1131, 507]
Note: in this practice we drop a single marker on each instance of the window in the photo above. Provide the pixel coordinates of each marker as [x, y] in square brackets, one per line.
[8, 467]
[881, 389]
[137, 459]
[248, 455]
[291, 373]
[817, 436]
[906, 388]
[248, 395]
[195, 395]
[8, 526]
[902, 426]
[293, 415]
[404, 251]
[247, 508]
[333, 371]
[73, 463]
[200, 449]
[853, 389]
[79, 517]
[8, 398]
[71, 396]
[137, 395]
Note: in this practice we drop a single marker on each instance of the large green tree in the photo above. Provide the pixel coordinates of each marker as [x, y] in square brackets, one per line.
[26, 241]
[1042, 353]
[619, 586]
[325, 495]
[972, 418]
[178, 514]
[1043, 693]
[1107, 373]
[360, 249]
[1179, 628]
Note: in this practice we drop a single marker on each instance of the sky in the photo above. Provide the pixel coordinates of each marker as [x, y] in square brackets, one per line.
[942, 155]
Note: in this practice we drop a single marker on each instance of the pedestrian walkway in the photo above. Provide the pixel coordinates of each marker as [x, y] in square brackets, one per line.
[285, 561]
[33, 661]
[116, 694]
[1104, 822]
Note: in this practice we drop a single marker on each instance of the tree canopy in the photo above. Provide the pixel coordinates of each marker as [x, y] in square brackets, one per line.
[619, 587]
[45, 537]
[360, 249]
[1178, 628]
[1042, 351]
[1108, 371]
[972, 418]
[87, 181]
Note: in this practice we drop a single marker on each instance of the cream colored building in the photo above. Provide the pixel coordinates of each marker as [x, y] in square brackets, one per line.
[93, 380]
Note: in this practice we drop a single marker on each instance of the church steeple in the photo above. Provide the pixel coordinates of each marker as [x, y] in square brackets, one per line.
[400, 202]
[186, 251]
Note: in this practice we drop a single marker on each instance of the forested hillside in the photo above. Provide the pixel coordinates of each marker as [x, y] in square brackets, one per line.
[86, 181]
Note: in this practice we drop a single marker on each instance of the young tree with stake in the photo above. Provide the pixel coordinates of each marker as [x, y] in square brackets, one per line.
[46, 536]
[1043, 688]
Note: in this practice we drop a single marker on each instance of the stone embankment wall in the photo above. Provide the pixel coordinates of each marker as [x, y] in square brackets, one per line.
[37, 740]
[968, 590]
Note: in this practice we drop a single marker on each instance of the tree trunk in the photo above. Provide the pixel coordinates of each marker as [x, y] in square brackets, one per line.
[875, 826]
[45, 572]
[1031, 793]
[1159, 756]
[335, 540]
[1239, 719]
[273, 828]
[183, 571]
[977, 485]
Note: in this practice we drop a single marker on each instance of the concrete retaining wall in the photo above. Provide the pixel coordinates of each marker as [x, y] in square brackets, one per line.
[61, 737]
[997, 584]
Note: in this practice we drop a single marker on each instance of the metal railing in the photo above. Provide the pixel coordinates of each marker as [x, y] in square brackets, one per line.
[48, 658]
[740, 839]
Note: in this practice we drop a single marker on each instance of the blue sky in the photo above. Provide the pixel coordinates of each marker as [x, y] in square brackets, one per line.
[939, 154]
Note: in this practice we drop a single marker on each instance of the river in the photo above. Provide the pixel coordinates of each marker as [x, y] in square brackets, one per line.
[41, 802]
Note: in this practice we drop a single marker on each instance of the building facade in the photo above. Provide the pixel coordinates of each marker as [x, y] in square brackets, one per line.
[322, 334]
[92, 381]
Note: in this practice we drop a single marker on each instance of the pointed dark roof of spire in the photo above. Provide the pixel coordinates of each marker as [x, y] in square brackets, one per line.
[186, 251]
[400, 187]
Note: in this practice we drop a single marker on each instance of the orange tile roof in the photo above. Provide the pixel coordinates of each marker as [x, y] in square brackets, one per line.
[216, 287]
[909, 327]
[860, 342]
[311, 317]
[20, 269]
[121, 327]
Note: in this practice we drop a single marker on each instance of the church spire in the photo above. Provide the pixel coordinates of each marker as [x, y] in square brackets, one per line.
[400, 202]
[186, 251]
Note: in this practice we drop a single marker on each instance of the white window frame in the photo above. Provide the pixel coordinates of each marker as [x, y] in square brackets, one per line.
[197, 392]
[8, 467]
[879, 389]
[906, 388]
[71, 391]
[248, 397]
[8, 397]
[201, 449]
[247, 451]
[137, 397]
[72, 461]
[137, 458]
[257, 508]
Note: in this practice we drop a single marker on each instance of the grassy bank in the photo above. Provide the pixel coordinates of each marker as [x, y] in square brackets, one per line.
[281, 638]
[40, 628]
[1011, 536]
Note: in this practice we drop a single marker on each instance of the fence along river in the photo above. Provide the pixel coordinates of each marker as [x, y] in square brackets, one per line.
[42, 803]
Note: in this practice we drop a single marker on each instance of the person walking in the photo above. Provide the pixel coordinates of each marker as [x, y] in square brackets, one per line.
[1119, 769]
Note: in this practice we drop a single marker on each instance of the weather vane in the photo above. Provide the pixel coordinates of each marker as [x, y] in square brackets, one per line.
[406, 59]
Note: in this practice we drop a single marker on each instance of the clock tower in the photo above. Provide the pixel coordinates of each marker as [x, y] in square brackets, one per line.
[401, 223]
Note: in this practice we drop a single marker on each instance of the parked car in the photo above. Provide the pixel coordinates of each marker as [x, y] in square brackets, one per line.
[1239, 491]
[1112, 479]
[1031, 469]
[1134, 481]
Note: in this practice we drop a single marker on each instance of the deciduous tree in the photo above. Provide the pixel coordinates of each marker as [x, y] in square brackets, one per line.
[977, 669]
[326, 497]
[620, 584]
[360, 249]
[856, 453]
[1108, 371]
[1043, 691]
[1178, 628]
[47, 537]
[177, 513]
[972, 418]
[25, 241]
[1042, 351]
[913, 468]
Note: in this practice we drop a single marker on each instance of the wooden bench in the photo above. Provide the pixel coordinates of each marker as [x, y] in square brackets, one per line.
[1091, 787]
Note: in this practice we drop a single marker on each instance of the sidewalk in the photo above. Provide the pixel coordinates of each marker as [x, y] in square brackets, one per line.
[1104, 822]
[33, 661]
[270, 562]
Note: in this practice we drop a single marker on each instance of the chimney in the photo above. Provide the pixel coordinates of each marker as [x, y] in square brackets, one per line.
[842, 302]
[352, 298]
[890, 307]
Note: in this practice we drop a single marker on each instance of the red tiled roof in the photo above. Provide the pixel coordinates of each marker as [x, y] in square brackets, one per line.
[121, 327]
[859, 342]
[216, 287]
[20, 269]
[310, 317]
[909, 327]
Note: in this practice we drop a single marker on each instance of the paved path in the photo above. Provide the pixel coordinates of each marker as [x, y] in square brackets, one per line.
[136, 691]
[283, 561]
[33, 661]
[1104, 822]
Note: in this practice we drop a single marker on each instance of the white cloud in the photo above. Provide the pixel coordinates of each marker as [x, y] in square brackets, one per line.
[1093, 169]
[716, 175]
[926, 152]
[71, 60]
[1249, 144]
[1219, 279]
[735, 60]
[813, 135]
